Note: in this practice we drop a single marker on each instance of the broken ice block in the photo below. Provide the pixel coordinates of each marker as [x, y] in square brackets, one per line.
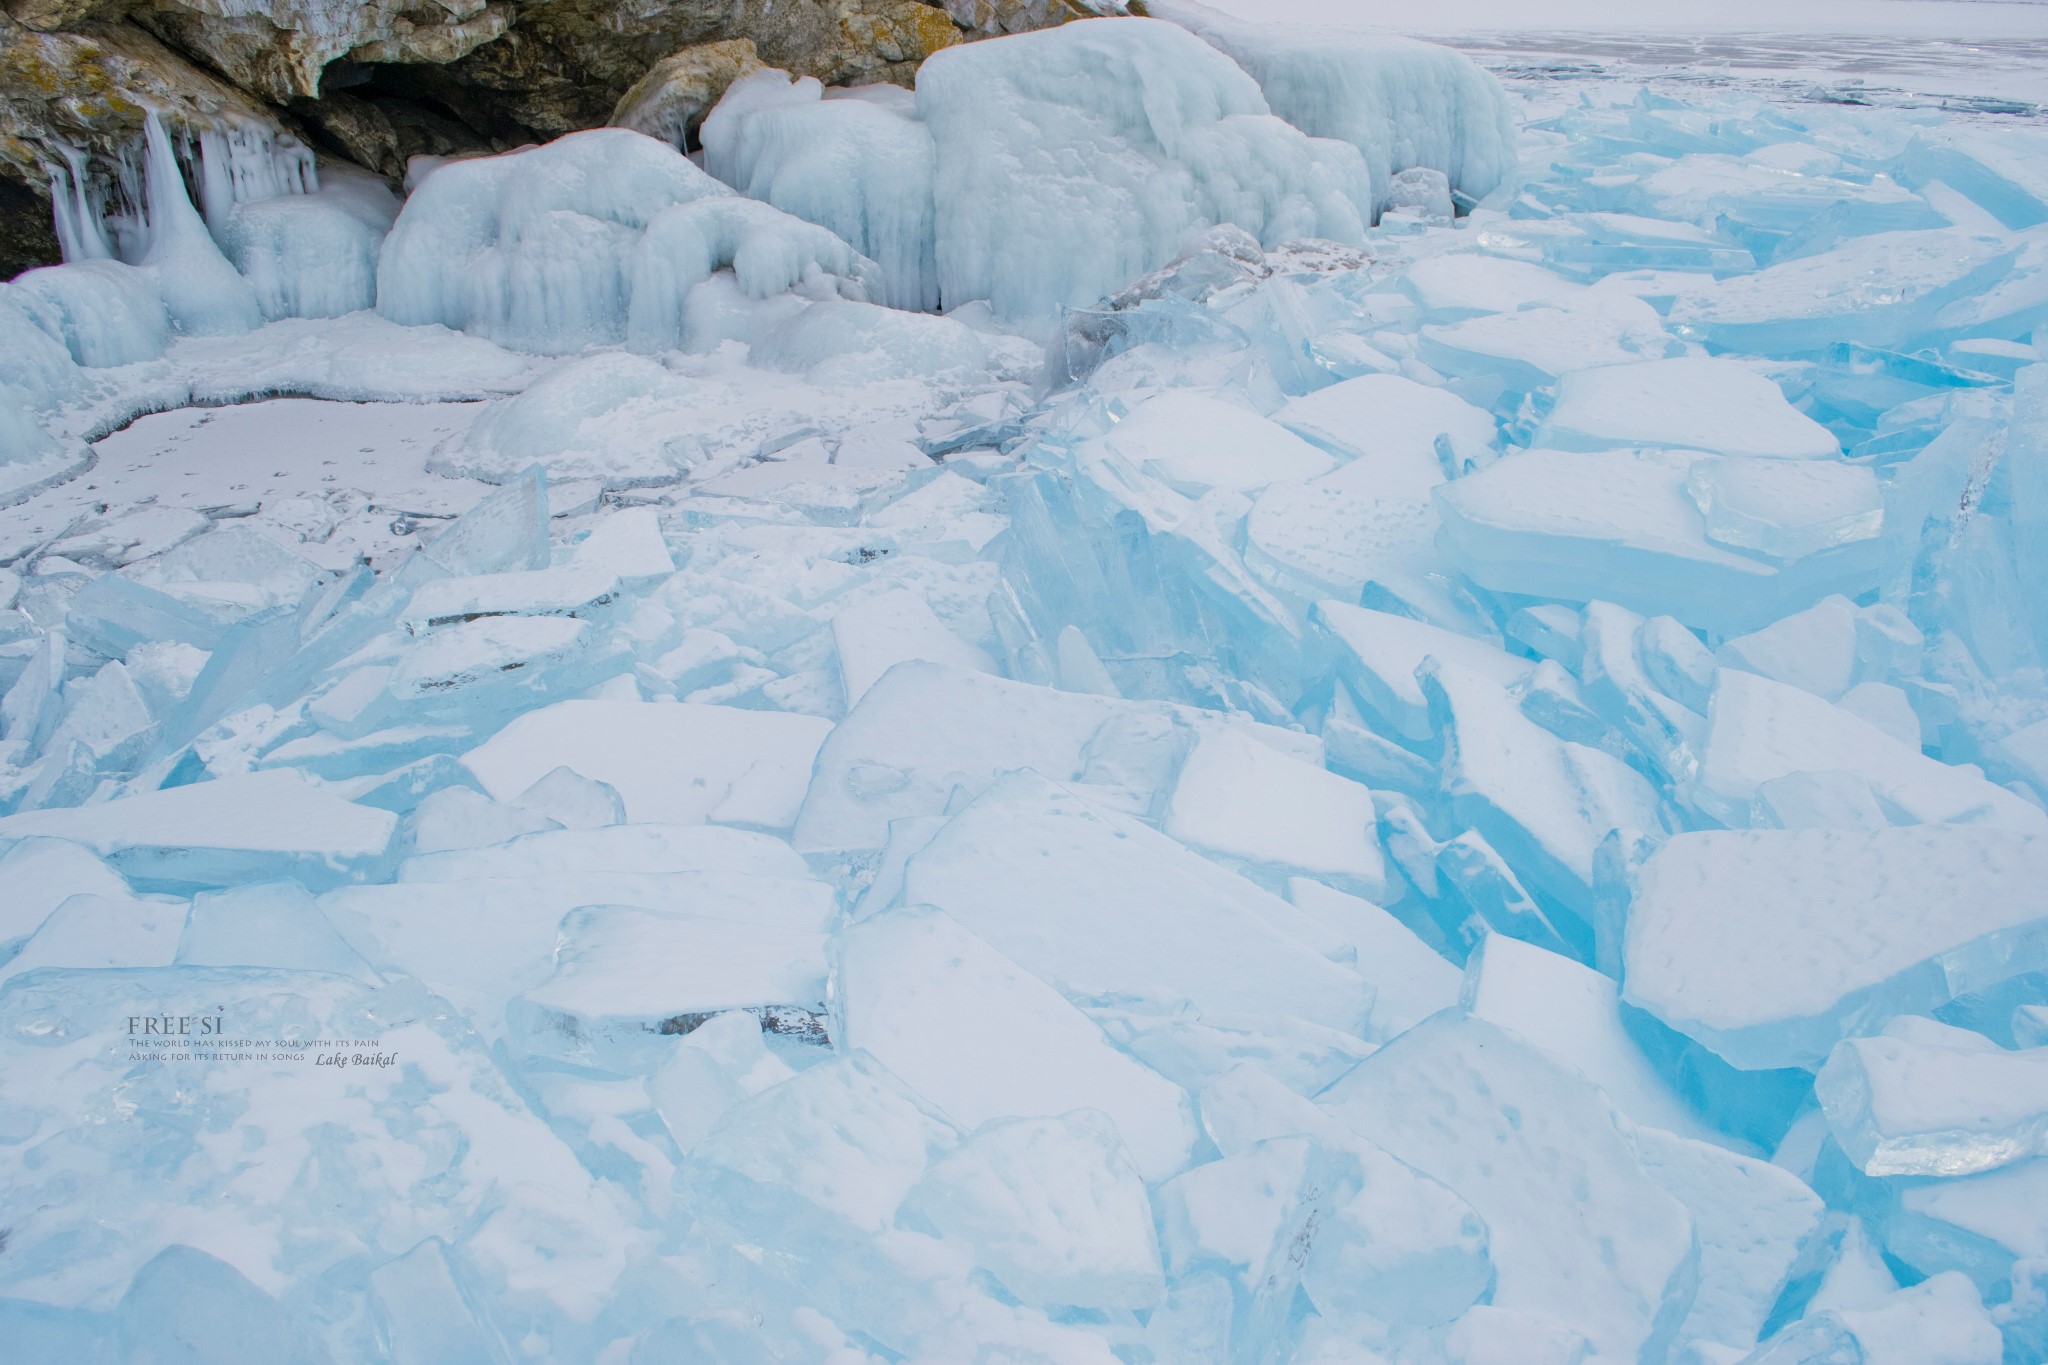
[1694, 402]
[1879, 290]
[670, 763]
[719, 1063]
[1758, 730]
[507, 530]
[980, 1039]
[462, 817]
[623, 977]
[1579, 1230]
[1620, 525]
[1814, 650]
[103, 931]
[1196, 443]
[186, 1307]
[1532, 347]
[1814, 935]
[422, 1311]
[1410, 980]
[480, 940]
[566, 590]
[40, 874]
[266, 924]
[1573, 1012]
[1544, 803]
[627, 542]
[1111, 911]
[217, 833]
[815, 1169]
[358, 1157]
[1393, 423]
[570, 800]
[1786, 510]
[1940, 1321]
[1985, 1225]
[1754, 1222]
[1395, 1243]
[891, 627]
[1379, 652]
[1926, 1099]
[923, 731]
[1273, 816]
[1250, 1217]
[1053, 1208]
[625, 849]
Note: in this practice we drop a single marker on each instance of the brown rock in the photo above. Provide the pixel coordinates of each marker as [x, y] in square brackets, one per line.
[278, 49]
[87, 91]
[26, 237]
[670, 101]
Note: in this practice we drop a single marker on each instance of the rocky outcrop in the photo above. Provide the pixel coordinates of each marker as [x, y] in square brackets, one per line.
[670, 101]
[382, 81]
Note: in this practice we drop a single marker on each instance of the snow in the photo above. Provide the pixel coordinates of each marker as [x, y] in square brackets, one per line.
[1333, 802]
[1177, 137]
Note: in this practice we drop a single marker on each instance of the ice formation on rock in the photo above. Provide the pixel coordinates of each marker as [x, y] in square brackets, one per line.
[1465, 795]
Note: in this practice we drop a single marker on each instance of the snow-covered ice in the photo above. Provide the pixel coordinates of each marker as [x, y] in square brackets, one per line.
[1214, 692]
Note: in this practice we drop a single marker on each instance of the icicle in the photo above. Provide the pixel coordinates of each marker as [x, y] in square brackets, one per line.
[241, 165]
[126, 217]
[203, 293]
[80, 234]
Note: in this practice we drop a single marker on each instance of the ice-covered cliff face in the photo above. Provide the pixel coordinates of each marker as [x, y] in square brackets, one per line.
[380, 82]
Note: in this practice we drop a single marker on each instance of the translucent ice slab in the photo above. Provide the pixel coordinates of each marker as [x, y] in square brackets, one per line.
[1926, 1099]
[1820, 934]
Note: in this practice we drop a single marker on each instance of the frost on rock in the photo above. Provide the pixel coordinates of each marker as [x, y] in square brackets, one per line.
[1470, 794]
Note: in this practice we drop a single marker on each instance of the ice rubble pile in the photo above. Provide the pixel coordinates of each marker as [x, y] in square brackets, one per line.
[1473, 801]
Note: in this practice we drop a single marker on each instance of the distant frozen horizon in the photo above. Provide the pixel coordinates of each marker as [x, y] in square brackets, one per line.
[1923, 51]
[1986, 18]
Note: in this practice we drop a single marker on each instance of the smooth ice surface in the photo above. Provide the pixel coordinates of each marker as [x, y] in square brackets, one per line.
[1817, 933]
